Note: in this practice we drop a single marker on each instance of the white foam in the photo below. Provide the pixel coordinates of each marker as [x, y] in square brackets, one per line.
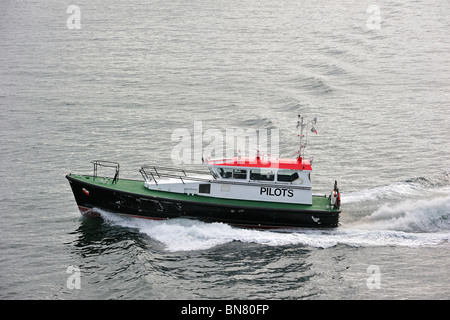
[424, 215]
[409, 214]
[188, 235]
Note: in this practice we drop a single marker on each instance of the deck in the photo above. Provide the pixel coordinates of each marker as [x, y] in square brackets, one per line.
[137, 187]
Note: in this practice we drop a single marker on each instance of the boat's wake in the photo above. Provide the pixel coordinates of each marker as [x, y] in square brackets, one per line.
[415, 216]
[396, 216]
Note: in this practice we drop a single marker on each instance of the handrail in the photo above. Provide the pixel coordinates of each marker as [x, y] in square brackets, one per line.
[109, 164]
[184, 171]
[147, 171]
[149, 175]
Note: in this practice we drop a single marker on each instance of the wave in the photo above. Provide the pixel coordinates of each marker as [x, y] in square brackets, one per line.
[191, 235]
[425, 215]
[414, 205]
[313, 84]
[412, 213]
[411, 188]
[388, 226]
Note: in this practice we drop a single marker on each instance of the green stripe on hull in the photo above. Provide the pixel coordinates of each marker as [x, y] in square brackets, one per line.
[137, 187]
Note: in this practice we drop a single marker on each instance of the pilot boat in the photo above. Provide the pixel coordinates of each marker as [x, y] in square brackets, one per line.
[251, 192]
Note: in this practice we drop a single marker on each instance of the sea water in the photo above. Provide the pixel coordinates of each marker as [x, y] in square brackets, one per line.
[88, 80]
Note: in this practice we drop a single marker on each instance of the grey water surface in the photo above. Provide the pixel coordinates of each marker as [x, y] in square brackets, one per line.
[113, 80]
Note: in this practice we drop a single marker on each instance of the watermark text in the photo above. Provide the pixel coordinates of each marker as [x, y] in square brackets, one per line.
[74, 279]
[374, 20]
[374, 279]
[194, 147]
[74, 20]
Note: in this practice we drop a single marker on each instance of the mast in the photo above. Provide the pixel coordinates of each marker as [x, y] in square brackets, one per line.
[303, 139]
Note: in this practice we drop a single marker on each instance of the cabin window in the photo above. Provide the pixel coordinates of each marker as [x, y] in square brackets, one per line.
[228, 173]
[204, 188]
[239, 173]
[213, 173]
[287, 175]
[262, 174]
[225, 173]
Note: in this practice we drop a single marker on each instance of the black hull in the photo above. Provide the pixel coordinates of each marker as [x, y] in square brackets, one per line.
[150, 207]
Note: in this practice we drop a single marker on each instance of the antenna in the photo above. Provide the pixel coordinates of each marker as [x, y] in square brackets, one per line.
[303, 137]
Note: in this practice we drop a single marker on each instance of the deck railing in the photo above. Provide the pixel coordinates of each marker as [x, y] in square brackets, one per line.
[107, 164]
[151, 173]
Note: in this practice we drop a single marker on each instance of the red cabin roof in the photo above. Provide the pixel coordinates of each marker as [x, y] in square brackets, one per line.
[290, 164]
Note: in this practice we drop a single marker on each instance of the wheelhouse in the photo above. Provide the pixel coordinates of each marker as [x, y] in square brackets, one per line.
[284, 171]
